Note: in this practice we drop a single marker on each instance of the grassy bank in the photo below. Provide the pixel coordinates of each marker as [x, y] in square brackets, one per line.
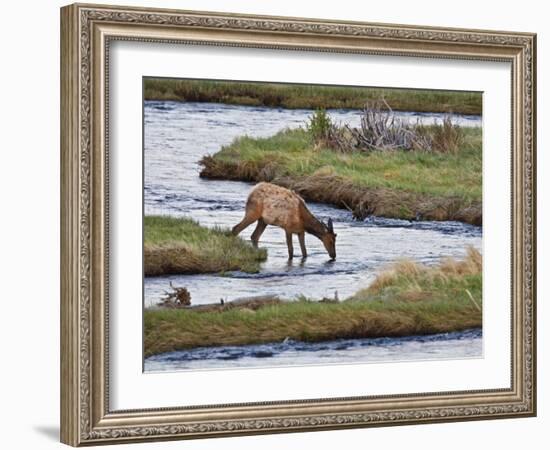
[309, 96]
[395, 184]
[182, 246]
[406, 299]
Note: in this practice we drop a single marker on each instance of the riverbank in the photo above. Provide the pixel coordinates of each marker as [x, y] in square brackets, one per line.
[182, 246]
[405, 299]
[395, 184]
[296, 96]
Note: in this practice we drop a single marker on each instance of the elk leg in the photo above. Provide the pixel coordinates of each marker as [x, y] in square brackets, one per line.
[260, 228]
[302, 239]
[289, 245]
[243, 224]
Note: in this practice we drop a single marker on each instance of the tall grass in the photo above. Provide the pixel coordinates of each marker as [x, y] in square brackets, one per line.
[309, 96]
[411, 299]
[179, 246]
[448, 137]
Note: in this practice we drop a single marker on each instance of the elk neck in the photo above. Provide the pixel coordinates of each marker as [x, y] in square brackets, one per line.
[311, 224]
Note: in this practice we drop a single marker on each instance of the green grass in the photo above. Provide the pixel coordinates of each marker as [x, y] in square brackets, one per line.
[426, 173]
[309, 96]
[174, 245]
[406, 299]
[401, 184]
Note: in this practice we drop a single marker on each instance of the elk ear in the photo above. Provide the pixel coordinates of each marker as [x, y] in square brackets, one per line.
[329, 225]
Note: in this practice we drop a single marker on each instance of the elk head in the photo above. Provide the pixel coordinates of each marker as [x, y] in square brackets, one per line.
[329, 239]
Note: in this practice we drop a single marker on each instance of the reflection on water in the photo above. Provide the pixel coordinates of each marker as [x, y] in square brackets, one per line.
[178, 135]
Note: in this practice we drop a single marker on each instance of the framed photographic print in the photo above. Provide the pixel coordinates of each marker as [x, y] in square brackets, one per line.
[278, 224]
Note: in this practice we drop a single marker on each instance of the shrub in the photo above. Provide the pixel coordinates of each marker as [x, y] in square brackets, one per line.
[320, 126]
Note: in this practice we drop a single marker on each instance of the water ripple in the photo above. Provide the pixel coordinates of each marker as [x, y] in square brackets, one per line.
[177, 135]
[173, 187]
[444, 345]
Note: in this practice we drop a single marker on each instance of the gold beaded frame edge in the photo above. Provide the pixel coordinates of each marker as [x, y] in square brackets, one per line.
[86, 31]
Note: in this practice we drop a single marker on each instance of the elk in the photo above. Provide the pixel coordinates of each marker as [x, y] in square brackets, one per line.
[269, 204]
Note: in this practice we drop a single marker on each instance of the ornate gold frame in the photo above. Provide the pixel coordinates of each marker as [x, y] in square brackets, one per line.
[86, 31]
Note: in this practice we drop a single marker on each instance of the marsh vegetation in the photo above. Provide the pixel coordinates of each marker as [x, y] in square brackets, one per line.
[406, 298]
[293, 96]
[381, 165]
[182, 246]
[420, 172]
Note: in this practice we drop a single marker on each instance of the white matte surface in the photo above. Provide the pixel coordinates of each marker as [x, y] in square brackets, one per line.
[130, 388]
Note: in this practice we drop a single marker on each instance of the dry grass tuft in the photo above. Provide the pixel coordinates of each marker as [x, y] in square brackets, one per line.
[447, 137]
[415, 275]
[472, 264]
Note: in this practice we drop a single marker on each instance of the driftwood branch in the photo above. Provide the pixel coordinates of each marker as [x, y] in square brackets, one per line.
[381, 129]
[179, 297]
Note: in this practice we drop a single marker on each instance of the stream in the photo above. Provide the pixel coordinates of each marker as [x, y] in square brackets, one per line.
[177, 135]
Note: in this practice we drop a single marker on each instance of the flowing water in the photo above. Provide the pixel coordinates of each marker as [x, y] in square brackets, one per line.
[461, 345]
[178, 135]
